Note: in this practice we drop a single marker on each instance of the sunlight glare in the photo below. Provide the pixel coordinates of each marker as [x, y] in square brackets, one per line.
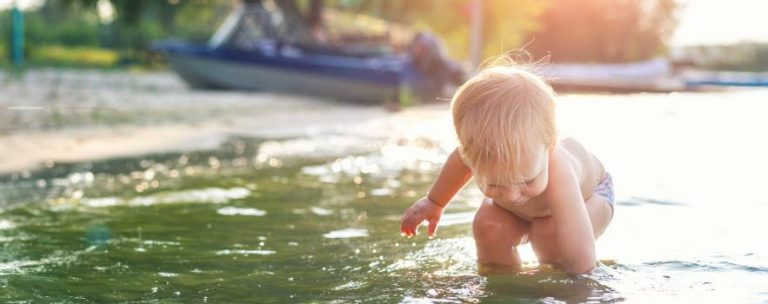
[22, 4]
[106, 11]
[720, 22]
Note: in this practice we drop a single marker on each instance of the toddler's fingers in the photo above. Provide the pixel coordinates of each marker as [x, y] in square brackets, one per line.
[405, 228]
[408, 230]
[405, 224]
[411, 225]
[412, 230]
[432, 229]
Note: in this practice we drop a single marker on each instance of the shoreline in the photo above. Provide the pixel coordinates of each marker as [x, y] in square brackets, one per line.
[35, 149]
[32, 150]
[28, 151]
[59, 116]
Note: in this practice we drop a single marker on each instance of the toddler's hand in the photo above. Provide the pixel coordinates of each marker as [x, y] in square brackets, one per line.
[421, 210]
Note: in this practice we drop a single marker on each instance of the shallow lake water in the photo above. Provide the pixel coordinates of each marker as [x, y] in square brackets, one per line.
[316, 218]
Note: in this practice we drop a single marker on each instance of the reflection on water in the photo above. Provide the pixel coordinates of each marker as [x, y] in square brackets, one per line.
[316, 218]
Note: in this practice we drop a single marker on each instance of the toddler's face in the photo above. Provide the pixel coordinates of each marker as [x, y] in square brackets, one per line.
[535, 172]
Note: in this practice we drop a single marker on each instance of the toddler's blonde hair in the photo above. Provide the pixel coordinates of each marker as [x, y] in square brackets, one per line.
[501, 115]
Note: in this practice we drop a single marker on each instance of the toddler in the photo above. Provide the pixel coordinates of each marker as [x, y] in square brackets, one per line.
[552, 193]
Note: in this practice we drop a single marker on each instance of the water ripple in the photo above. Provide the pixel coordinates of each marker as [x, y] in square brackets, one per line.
[639, 201]
[241, 211]
[721, 266]
[6, 225]
[245, 252]
[208, 195]
[346, 233]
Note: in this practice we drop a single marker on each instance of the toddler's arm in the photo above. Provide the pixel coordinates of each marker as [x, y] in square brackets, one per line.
[454, 175]
[575, 237]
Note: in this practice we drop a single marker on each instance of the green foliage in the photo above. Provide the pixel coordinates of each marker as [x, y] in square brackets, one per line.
[3, 54]
[139, 22]
[604, 30]
[63, 30]
[749, 56]
[568, 30]
[508, 22]
[505, 22]
[73, 27]
[5, 33]
[54, 35]
[197, 21]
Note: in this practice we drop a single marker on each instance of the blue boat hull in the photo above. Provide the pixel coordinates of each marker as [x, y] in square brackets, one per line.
[366, 79]
[727, 79]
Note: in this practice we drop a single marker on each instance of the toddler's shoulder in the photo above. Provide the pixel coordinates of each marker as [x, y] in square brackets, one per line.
[573, 147]
[570, 143]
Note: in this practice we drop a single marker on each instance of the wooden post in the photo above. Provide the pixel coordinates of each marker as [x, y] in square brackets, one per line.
[17, 36]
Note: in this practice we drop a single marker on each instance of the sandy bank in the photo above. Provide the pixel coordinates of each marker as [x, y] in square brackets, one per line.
[51, 116]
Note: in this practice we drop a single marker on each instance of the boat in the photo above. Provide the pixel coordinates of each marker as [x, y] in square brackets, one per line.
[252, 52]
[654, 75]
[696, 79]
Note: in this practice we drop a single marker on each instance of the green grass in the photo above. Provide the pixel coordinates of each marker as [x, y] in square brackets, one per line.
[3, 55]
[73, 56]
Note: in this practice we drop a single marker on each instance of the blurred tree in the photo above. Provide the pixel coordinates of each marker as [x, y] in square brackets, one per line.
[568, 30]
[138, 22]
[744, 56]
[505, 22]
[59, 25]
[130, 11]
[604, 30]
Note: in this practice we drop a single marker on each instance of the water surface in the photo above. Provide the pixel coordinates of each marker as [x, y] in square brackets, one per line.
[316, 218]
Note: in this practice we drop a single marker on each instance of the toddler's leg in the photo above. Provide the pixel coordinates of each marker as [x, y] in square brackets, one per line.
[600, 213]
[497, 233]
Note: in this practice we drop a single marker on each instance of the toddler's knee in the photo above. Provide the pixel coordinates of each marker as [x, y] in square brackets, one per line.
[493, 232]
[487, 227]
